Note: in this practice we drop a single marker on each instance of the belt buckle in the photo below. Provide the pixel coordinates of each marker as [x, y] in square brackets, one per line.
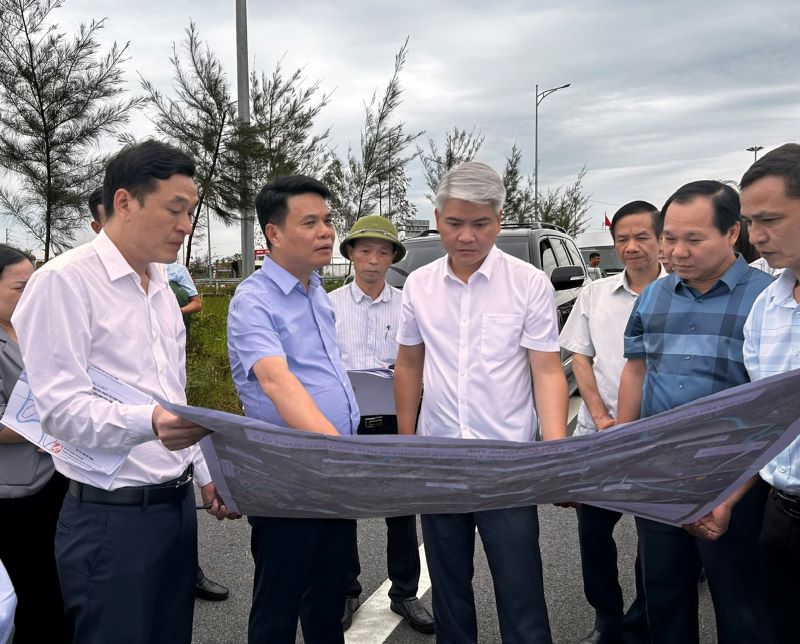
[373, 421]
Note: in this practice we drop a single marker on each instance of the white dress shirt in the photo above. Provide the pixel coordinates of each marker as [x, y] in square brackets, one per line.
[88, 306]
[762, 265]
[8, 605]
[477, 372]
[596, 328]
[772, 346]
[365, 328]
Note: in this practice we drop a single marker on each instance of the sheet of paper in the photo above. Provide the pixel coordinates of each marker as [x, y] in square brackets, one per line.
[21, 416]
[674, 467]
[374, 389]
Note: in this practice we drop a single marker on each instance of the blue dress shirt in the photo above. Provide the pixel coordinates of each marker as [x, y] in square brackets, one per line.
[691, 341]
[272, 314]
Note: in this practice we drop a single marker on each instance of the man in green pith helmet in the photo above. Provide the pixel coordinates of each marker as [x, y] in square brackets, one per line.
[367, 313]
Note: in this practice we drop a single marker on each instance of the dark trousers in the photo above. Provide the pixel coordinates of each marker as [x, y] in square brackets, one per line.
[511, 541]
[402, 560]
[671, 562]
[780, 560]
[128, 572]
[301, 568]
[402, 547]
[601, 579]
[27, 551]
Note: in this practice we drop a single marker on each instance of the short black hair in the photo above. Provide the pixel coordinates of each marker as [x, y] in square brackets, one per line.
[272, 200]
[95, 200]
[138, 166]
[744, 247]
[10, 256]
[724, 201]
[638, 208]
[593, 255]
[783, 162]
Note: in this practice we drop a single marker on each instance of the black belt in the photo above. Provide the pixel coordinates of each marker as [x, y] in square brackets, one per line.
[789, 503]
[141, 495]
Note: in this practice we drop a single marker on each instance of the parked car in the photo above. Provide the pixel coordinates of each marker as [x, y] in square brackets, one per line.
[600, 242]
[546, 246]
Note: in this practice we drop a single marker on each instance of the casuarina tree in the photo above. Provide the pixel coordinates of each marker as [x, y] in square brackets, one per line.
[60, 98]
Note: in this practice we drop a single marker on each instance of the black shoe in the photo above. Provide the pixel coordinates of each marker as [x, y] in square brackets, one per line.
[415, 614]
[210, 590]
[351, 605]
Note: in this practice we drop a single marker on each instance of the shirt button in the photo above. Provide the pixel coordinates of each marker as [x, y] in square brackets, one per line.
[687, 357]
[692, 328]
[680, 386]
[782, 470]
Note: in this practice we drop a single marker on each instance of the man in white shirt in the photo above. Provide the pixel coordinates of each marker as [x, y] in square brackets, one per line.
[771, 209]
[367, 312]
[126, 545]
[480, 328]
[594, 332]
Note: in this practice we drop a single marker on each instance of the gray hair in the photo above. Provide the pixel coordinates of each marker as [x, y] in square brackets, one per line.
[474, 182]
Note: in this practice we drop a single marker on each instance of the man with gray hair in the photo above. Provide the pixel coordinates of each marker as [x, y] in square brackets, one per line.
[491, 340]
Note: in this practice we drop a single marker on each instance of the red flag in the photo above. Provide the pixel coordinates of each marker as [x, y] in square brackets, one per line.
[607, 223]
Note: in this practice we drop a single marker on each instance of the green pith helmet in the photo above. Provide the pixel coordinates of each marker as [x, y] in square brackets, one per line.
[374, 227]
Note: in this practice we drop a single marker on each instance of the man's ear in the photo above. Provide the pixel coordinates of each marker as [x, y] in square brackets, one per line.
[271, 233]
[124, 203]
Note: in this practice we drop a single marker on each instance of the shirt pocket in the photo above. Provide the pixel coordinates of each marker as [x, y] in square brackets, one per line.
[500, 335]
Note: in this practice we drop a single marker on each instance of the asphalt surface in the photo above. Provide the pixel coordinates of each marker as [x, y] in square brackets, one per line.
[225, 557]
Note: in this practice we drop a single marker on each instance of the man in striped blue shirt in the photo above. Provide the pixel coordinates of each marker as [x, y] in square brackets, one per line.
[771, 209]
[367, 313]
[683, 342]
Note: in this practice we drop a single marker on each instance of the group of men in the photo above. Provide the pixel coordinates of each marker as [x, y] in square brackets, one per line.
[644, 343]
[479, 329]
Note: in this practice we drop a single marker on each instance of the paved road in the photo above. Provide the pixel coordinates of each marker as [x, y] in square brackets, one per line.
[225, 556]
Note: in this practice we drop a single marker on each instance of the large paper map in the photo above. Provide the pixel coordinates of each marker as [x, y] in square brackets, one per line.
[674, 467]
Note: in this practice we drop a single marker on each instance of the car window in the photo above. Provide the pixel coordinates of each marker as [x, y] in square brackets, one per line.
[548, 257]
[416, 255]
[561, 253]
[515, 245]
[574, 253]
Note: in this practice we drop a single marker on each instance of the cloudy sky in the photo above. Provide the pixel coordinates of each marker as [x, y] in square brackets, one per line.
[661, 93]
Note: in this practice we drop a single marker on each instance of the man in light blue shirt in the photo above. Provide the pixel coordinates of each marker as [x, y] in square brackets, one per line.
[771, 208]
[288, 370]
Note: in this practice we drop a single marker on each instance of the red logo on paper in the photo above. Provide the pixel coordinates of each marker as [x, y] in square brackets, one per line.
[57, 447]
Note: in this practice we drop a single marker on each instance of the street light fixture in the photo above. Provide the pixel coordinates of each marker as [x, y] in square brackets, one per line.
[754, 149]
[540, 96]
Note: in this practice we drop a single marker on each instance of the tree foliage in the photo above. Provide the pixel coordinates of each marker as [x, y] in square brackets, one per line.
[59, 99]
[459, 146]
[567, 207]
[357, 181]
[200, 117]
[283, 115]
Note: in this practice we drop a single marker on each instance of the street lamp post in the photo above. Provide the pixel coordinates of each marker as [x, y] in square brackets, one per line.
[540, 96]
[754, 149]
[243, 91]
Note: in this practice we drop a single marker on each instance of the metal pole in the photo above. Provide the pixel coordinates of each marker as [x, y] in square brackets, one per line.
[536, 157]
[754, 149]
[243, 90]
[540, 96]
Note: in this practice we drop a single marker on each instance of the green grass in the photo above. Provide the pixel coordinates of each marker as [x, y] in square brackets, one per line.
[208, 372]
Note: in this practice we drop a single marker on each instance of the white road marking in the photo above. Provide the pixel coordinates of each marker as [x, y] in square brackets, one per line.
[374, 621]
